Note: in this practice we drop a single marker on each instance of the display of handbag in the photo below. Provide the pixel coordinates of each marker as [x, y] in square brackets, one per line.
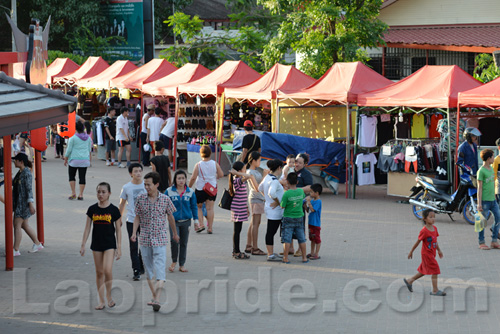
[208, 187]
[226, 200]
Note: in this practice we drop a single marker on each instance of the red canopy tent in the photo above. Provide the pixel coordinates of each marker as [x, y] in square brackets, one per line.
[283, 77]
[343, 82]
[487, 95]
[102, 80]
[228, 75]
[153, 70]
[60, 67]
[430, 87]
[167, 85]
[92, 67]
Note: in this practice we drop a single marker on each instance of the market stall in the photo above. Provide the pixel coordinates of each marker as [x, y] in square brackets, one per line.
[92, 67]
[59, 68]
[166, 88]
[323, 110]
[204, 96]
[416, 100]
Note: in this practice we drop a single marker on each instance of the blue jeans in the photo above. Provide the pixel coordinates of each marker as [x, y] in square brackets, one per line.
[292, 227]
[493, 207]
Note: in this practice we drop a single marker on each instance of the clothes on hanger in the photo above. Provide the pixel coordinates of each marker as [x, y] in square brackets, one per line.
[367, 131]
[366, 172]
[418, 126]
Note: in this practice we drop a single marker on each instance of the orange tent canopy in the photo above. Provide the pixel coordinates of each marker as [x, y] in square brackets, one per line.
[167, 86]
[343, 82]
[153, 70]
[60, 67]
[430, 87]
[101, 81]
[230, 74]
[285, 77]
[487, 95]
[92, 67]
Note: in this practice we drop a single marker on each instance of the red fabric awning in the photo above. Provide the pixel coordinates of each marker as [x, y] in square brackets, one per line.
[167, 86]
[153, 70]
[342, 82]
[430, 87]
[487, 95]
[285, 77]
[230, 74]
[101, 81]
[92, 67]
[60, 67]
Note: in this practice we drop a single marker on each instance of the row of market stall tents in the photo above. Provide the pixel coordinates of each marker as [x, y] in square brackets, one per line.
[348, 84]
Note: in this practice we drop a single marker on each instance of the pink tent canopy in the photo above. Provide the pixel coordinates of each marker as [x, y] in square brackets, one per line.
[487, 95]
[230, 74]
[153, 70]
[60, 67]
[343, 82]
[18, 70]
[92, 67]
[430, 87]
[284, 77]
[167, 86]
[101, 81]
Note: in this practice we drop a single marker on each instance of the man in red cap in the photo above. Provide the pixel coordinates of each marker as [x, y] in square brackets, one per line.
[251, 142]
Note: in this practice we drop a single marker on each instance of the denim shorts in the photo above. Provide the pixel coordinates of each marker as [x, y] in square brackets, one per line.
[155, 261]
[292, 227]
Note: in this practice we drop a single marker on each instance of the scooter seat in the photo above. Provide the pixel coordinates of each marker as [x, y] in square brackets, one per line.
[436, 182]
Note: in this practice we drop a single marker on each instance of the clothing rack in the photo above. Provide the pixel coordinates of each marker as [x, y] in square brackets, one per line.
[412, 141]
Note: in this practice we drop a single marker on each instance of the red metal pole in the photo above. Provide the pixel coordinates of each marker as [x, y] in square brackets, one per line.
[39, 197]
[174, 140]
[9, 230]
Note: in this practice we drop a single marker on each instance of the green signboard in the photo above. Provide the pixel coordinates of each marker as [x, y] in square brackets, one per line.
[125, 20]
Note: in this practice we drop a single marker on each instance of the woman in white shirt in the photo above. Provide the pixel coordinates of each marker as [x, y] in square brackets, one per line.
[273, 192]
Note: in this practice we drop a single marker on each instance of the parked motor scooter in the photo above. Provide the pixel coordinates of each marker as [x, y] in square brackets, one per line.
[434, 194]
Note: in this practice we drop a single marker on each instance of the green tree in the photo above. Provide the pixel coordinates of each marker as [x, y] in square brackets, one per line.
[486, 70]
[53, 55]
[323, 32]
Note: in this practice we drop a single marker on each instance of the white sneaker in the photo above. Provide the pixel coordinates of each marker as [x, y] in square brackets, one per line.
[17, 253]
[108, 163]
[36, 248]
[122, 165]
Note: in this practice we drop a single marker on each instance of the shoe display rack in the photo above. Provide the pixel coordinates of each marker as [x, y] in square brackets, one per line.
[195, 121]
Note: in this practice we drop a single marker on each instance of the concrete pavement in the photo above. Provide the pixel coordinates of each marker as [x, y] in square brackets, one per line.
[356, 286]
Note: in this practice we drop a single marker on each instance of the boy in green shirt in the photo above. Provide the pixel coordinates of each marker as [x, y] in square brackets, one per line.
[486, 197]
[293, 217]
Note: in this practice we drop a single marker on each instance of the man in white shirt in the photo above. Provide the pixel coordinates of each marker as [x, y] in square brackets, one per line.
[154, 128]
[167, 134]
[122, 137]
[144, 134]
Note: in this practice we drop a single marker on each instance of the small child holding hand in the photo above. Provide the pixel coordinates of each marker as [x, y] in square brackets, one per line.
[313, 206]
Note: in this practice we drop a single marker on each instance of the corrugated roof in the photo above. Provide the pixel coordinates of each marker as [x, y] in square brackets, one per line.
[25, 107]
[208, 9]
[479, 35]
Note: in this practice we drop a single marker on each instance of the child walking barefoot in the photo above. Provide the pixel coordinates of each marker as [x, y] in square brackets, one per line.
[106, 221]
[429, 265]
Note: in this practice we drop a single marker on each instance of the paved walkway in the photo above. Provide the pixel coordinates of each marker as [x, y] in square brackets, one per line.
[355, 287]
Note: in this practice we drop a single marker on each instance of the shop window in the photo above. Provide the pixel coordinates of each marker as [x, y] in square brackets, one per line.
[419, 62]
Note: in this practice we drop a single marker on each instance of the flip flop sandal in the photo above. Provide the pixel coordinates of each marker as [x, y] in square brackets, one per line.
[183, 270]
[408, 285]
[72, 197]
[111, 304]
[248, 249]
[309, 255]
[156, 306]
[438, 293]
[241, 256]
[315, 257]
[171, 268]
[484, 247]
[80, 198]
[306, 261]
[150, 303]
[258, 252]
[286, 262]
[99, 308]
[201, 229]
[209, 232]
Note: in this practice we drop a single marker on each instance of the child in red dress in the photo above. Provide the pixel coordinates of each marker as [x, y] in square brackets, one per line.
[429, 265]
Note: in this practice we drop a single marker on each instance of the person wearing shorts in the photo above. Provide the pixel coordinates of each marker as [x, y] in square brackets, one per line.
[122, 137]
[313, 205]
[152, 211]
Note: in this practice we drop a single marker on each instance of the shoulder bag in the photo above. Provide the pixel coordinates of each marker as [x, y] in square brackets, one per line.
[208, 187]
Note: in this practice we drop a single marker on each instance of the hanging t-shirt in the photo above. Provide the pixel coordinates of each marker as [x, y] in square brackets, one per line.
[367, 131]
[384, 129]
[434, 119]
[401, 129]
[366, 169]
[418, 126]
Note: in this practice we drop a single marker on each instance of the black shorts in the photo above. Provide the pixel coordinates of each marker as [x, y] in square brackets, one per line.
[122, 143]
[202, 196]
[110, 145]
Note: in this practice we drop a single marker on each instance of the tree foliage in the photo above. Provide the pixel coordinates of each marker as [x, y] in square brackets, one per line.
[323, 32]
[53, 55]
[486, 69]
